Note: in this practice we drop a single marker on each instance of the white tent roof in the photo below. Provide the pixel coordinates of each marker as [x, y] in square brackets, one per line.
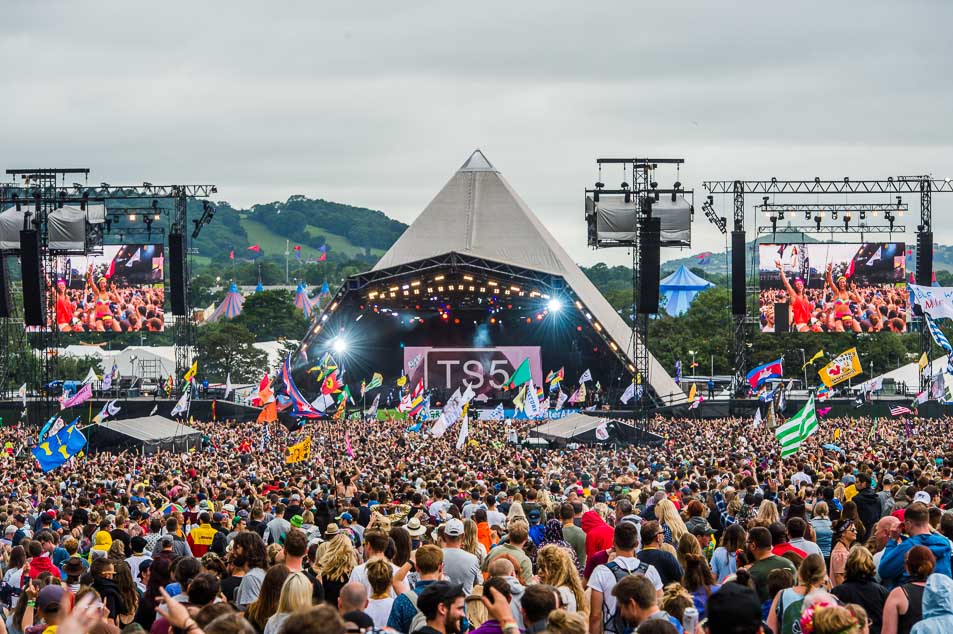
[909, 374]
[478, 213]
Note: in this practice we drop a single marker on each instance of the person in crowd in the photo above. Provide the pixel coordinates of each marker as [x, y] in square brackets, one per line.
[860, 586]
[759, 547]
[459, 566]
[667, 565]
[918, 532]
[904, 606]
[823, 529]
[937, 606]
[845, 534]
[724, 560]
[266, 604]
[441, 604]
[296, 595]
[555, 567]
[429, 564]
[785, 613]
[637, 600]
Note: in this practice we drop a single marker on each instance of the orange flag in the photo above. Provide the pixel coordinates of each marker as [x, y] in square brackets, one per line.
[269, 413]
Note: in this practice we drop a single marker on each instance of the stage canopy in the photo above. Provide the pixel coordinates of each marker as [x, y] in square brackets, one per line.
[474, 286]
[581, 428]
[680, 289]
[148, 434]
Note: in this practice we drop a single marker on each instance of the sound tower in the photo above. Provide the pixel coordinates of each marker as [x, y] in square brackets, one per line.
[34, 293]
[739, 300]
[925, 258]
[6, 305]
[650, 255]
[782, 317]
[177, 272]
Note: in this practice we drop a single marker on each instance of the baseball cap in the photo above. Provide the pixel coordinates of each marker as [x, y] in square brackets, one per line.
[236, 520]
[922, 496]
[218, 517]
[345, 516]
[453, 527]
[50, 598]
[702, 529]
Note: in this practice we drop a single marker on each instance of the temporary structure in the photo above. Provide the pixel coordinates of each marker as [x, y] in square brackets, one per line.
[680, 289]
[231, 306]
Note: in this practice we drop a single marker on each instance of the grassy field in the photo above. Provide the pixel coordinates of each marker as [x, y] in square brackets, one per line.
[274, 244]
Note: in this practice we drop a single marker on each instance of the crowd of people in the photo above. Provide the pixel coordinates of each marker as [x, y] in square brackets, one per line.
[391, 530]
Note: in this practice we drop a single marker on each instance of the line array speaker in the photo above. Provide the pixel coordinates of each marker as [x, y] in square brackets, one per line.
[649, 254]
[6, 302]
[739, 300]
[177, 272]
[925, 258]
[34, 295]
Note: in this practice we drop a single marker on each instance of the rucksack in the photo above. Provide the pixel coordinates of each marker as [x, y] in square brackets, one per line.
[789, 616]
[419, 621]
[614, 622]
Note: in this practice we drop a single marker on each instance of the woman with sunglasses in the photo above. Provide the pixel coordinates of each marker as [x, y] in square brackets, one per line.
[845, 534]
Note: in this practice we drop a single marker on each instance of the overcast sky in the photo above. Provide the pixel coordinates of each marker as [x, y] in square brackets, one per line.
[377, 103]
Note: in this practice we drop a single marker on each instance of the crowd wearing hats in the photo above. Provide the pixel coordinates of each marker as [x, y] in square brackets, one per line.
[707, 531]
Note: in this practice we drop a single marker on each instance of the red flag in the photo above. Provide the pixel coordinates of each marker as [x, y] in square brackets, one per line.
[265, 394]
[298, 247]
[324, 253]
[255, 248]
[231, 254]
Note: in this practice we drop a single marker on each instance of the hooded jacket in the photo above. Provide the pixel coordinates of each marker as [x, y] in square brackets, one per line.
[598, 533]
[891, 568]
[937, 606]
[869, 510]
[102, 540]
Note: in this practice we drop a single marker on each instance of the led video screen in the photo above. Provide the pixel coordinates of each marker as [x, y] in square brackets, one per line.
[121, 290]
[832, 287]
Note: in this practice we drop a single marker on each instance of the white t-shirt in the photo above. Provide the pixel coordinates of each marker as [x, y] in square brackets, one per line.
[603, 580]
[495, 518]
[359, 575]
[379, 610]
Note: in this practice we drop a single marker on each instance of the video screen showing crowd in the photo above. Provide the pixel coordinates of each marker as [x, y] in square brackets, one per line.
[121, 290]
[827, 287]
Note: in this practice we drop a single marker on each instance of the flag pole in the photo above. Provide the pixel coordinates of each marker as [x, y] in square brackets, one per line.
[287, 244]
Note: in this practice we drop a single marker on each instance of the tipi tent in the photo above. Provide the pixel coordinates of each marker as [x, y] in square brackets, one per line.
[302, 300]
[477, 214]
[680, 289]
[231, 306]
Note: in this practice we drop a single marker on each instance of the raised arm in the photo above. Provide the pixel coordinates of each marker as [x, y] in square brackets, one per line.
[784, 279]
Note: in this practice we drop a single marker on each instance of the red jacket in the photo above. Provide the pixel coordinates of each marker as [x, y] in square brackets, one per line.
[42, 564]
[598, 533]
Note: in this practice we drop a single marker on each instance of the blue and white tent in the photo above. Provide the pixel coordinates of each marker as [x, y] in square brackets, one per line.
[680, 289]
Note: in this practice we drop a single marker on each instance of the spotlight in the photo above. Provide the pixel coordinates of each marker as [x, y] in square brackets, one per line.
[554, 305]
[339, 345]
[600, 185]
[817, 221]
[846, 221]
[834, 214]
[863, 214]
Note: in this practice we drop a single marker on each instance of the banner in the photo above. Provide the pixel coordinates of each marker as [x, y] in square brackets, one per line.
[935, 301]
[299, 452]
[844, 366]
[84, 394]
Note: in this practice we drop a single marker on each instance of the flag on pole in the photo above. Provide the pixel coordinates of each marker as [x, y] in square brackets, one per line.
[464, 432]
[254, 248]
[519, 401]
[183, 405]
[297, 251]
[797, 429]
[91, 377]
[372, 412]
[836, 434]
[155, 408]
[762, 373]
[629, 393]
[574, 398]
[299, 452]
[347, 444]
[586, 376]
[692, 392]
[818, 355]
[58, 449]
[842, 367]
[923, 362]
[190, 374]
[757, 417]
[520, 376]
[531, 405]
[231, 253]
[84, 394]
[497, 413]
[899, 410]
[377, 380]
[555, 378]
[109, 409]
[678, 371]
[323, 250]
[561, 400]
[582, 392]
[402, 379]
[228, 385]
[107, 381]
[602, 430]
[22, 394]
[698, 401]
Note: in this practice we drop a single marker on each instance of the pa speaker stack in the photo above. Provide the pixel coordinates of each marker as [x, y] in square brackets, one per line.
[34, 295]
[650, 255]
[177, 272]
[739, 299]
[925, 258]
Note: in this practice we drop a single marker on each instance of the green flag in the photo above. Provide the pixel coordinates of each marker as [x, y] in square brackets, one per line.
[521, 375]
[797, 429]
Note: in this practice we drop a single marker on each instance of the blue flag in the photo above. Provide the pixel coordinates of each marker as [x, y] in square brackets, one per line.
[416, 427]
[762, 373]
[57, 449]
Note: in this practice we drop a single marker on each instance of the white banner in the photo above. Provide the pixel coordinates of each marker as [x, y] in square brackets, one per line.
[935, 301]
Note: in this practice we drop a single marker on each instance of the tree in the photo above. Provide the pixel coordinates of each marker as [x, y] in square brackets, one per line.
[272, 314]
[226, 349]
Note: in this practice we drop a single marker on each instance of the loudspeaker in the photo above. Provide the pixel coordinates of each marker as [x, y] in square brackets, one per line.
[739, 300]
[177, 273]
[6, 303]
[353, 285]
[925, 258]
[34, 293]
[649, 255]
[781, 317]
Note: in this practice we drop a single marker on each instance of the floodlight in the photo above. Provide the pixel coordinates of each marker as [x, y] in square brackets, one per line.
[339, 345]
[554, 305]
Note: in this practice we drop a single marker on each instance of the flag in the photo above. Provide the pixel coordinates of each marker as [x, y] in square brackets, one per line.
[692, 392]
[347, 444]
[417, 405]
[254, 248]
[363, 387]
[574, 398]
[464, 432]
[404, 404]
[372, 412]
[297, 251]
[582, 393]
[586, 376]
[818, 355]
[757, 417]
[108, 379]
[56, 450]
[555, 378]
[228, 385]
[402, 379]
[531, 405]
[520, 376]
[299, 452]
[300, 407]
[22, 394]
[84, 394]
[183, 405]
[91, 377]
[629, 393]
[897, 410]
[762, 373]
[377, 380]
[155, 408]
[497, 413]
[836, 434]
[938, 335]
[797, 429]
[265, 393]
[824, 393]
[921, 398]
[231, 253]
[325, 289]
[602, 430]
[678, 371]
[332, 384]
[923, 362]
[560, 400]
[190, 374]
[844, 366]
[698, 401]
[109, 409]
[425, 409]
[214, 416]
[519, 401]
[44, 431]
[823, 411]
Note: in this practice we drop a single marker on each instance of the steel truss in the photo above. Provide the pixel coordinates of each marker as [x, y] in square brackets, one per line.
[925, 185]
[40, 192]
[831, 229]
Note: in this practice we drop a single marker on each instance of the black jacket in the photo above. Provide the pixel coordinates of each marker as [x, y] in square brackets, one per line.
[868, 510]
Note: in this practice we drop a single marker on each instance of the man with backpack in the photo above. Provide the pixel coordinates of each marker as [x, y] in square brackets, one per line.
[404, 615]
[603, 614]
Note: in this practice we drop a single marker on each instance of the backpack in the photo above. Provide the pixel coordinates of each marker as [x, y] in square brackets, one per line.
[419, 621]
[789, 616]
[614, 622]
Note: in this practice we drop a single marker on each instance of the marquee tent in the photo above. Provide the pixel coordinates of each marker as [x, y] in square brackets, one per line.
[231, 306]
[680, 289]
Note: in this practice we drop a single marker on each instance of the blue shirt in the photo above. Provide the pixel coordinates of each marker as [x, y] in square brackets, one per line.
[891, 568]
[403, 611]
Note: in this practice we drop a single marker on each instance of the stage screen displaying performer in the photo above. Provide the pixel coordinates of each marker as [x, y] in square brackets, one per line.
[832, 287]
[121, 290]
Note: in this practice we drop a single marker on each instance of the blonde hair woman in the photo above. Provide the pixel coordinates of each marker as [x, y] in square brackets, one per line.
[556, 568]
[470, 542]
[564, 622]
[672, 525]
[766, 516]
[295, 597]
[336, 563]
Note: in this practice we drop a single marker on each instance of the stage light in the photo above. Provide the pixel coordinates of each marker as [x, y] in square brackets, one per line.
[529, 320]
[132, 217]
[846, 221]
[539, 316]
[456, 320]
[339, 345]
[579, 328]
[863, 215]
[554, 305]
[834, 214]
[817, 221]
[492, 320]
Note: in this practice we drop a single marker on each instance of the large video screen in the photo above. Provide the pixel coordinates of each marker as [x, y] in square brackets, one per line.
[823, 287]
[121, 290]
[486, 370]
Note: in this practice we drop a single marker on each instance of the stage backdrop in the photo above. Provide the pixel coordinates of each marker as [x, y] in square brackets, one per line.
[485, 369]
